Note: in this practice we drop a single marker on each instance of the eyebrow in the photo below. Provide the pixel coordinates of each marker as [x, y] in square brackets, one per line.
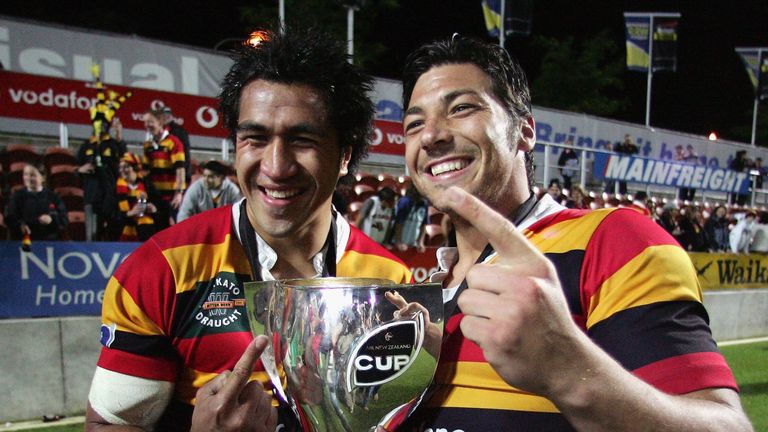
[446, 99]
[297, 129]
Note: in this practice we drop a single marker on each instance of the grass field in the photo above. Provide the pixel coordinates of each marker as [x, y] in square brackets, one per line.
[748, 361]
[750, 365]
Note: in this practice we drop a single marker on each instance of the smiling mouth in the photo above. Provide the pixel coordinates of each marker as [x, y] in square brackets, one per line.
[281, 194]
[448, 167]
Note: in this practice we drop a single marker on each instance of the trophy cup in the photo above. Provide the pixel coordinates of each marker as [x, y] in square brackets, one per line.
[347, 354]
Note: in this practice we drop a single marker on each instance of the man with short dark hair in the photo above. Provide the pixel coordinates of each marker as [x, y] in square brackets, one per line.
[212, 190]
[174, 316]
[556, 319]
[177, 130]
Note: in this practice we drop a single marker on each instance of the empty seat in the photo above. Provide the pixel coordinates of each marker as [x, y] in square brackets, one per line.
[76, 227]
[63, 175]
[367, 179]
[21, 153]
[58, 156]
[72, 197]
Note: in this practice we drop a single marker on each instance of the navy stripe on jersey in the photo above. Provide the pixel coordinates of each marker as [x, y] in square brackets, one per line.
[472, 420]
[568, 266]
[150, 346]
[654, 332]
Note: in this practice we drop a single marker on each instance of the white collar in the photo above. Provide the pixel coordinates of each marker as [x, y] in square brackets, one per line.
[447, 256]
[268, 256]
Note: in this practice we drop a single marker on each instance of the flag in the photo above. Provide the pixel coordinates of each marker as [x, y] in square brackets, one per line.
[492, 16]
[665, 44]
[750, 57]
[637, 30]
[762, 78]
[639, 37]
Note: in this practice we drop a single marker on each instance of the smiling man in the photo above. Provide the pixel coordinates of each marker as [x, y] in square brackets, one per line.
[558, 319]
[174, 318]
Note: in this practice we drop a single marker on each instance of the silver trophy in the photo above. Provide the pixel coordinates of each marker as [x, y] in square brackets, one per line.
[347, 354]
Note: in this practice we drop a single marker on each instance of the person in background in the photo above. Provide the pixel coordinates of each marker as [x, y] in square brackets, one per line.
[136, 200]
[173, 126]
[568, 162]
[688, 156]
[164, 158]
[34, 211]
[692, 236]
[740, 237]
[641, 203]
[739, 163]
[377, 214]
[556, 319]
[577, 199]
[411, 219]
[716, 228]
[210, 191]
[555, 191]
[97, 161]
[624, 147]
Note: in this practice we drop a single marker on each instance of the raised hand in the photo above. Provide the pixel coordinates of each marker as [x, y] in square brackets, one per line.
[230, 403]
[514, 308]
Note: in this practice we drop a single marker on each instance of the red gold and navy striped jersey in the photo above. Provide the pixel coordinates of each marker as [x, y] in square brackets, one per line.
[127, 197]
[631, 289]
[175, 309]
[163, 159]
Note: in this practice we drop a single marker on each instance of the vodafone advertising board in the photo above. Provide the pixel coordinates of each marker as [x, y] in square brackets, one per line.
[59, 100]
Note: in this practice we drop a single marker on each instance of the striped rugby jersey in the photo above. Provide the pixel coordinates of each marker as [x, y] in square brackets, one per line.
[629, 286]
[175, 309]
[163, 159]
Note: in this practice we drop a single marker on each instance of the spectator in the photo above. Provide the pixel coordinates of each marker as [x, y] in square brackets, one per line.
[668, 220]
[568, 163]
[760, 235]
[692, 235]
[164, 157]
[378, 213]
[555, 191]
[760, 172]
[577, 199]
[136, 200]
[688, 156]
[716, 228]
[35, 210]
[739, 164]
[626, 147]
[411, 219]
[740, 236]
[176, 129]
[641, 204]
[212, 190]
[98, 159]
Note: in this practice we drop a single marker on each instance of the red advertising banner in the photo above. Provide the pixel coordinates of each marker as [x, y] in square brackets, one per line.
[35, 97]
[58, 100]
[422, 265]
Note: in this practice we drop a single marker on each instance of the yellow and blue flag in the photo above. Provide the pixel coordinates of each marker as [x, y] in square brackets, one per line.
[492, 15]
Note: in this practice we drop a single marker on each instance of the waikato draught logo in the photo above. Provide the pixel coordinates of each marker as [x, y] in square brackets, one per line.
[223, 302]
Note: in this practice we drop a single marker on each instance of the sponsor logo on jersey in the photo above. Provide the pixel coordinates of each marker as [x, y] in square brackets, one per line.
[223, 302]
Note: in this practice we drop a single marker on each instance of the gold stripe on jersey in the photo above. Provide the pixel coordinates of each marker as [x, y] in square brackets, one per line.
[472, 383]
[204, 261]
[191, 380]
[118, 300]
[579, 231]
[373, 266]
[666, 268]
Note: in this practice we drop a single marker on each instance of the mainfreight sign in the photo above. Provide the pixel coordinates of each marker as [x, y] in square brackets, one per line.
[668, 173]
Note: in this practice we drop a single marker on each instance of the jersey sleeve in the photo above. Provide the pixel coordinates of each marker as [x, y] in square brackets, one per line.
[643, 305]
[136, 315]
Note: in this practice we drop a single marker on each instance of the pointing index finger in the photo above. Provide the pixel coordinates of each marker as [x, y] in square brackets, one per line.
[244, 367]
[498, 230]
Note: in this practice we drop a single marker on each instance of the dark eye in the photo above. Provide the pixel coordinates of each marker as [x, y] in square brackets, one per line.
[412, 125]
[462, 108]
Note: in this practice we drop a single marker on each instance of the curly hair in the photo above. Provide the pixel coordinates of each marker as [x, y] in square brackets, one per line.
[313, 58]
[508, 80]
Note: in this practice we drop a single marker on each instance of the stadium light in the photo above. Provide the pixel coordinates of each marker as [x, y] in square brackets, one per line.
[713, 136]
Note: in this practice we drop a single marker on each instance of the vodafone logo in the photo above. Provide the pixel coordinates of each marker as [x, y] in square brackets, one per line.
[207, 117]
[50, 98]
[377, 137]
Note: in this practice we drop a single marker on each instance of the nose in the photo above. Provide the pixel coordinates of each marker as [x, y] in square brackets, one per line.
[434, 134]
[278, 161]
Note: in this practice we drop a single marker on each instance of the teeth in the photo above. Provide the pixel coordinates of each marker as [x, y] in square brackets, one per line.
[449, 166]
[281, 194]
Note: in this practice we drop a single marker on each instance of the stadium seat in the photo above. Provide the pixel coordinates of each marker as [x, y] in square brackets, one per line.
[3, 228]
[58, 156]
[368, 180]
[72, 197]
[387, 180]
[21, 153]
[63, 175]
[76, 227]
[363, 191]
[353, 210]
